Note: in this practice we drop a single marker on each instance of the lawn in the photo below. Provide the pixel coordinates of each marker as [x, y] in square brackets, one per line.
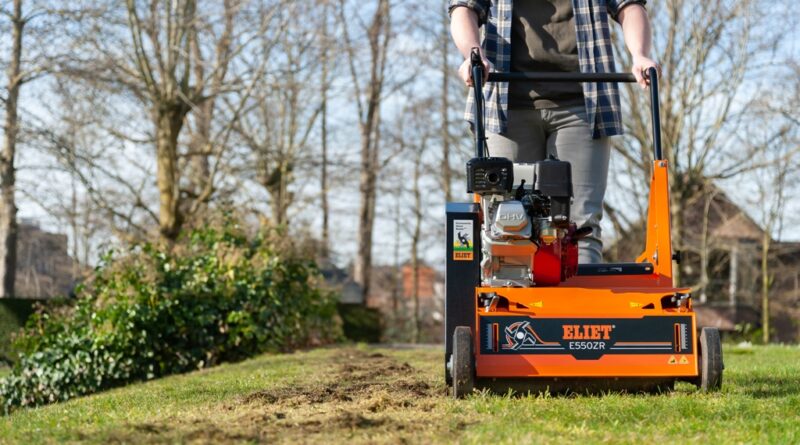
[381, 395]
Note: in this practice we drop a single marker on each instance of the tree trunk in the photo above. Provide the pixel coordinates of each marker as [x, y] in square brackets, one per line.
[323, 177]
[8, 207]
[366, 216]
[73, 217]
[765, 283]
[397, 281]
[446, 171]
[281, 197]
[733, 275]
[379, 34]
[415, 239]
[169, 121]
[201, 148]
[704, 248]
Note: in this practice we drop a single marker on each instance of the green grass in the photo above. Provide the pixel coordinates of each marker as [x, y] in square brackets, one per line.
[363, 395]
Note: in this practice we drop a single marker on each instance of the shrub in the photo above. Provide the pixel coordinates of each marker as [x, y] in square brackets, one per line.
[13, 314]
[360, 323]
[220, 296]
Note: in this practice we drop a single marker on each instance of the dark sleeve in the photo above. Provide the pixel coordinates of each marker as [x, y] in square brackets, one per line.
[481, 7]
[615, 6]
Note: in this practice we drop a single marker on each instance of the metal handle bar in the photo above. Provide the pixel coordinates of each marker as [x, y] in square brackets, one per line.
[562, 77]
[477, 85]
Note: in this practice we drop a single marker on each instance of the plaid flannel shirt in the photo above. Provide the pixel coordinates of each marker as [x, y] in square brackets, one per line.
[594, 56]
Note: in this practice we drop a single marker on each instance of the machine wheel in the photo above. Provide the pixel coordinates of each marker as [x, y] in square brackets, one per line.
[448, 374]
[711, 366]
[463, 367]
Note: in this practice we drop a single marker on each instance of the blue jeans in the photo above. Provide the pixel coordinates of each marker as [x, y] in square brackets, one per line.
[563, 132]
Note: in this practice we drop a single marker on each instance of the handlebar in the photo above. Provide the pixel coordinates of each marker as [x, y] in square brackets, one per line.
[562, 77]
[477, 72]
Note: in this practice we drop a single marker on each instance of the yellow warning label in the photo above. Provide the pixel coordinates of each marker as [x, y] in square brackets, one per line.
[684, 360]
[538, 304]
[672, 360]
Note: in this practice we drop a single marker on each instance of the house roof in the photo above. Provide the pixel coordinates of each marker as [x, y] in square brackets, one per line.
[725, 220]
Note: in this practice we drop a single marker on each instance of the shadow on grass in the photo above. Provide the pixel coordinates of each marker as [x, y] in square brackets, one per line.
[575, 387]
[765, 387]
[740, 351]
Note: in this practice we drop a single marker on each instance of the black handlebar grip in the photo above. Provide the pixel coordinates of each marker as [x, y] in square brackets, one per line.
[475, 56]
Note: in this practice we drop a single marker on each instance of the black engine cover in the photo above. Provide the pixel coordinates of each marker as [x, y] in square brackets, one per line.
[490, 175]
[554, 180]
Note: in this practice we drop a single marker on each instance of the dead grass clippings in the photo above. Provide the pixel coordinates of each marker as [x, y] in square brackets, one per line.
[364, 397]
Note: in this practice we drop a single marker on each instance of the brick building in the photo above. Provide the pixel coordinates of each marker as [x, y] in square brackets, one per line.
[728, 283]
[44, 267]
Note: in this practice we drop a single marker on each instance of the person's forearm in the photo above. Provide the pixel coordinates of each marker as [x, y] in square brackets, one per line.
[464, 28]
[636, 30]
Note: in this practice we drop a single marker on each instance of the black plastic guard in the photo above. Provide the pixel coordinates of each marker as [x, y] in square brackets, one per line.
[462, 271]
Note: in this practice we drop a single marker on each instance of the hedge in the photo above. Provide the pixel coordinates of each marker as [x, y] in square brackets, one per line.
[14, 312]
[219, 296]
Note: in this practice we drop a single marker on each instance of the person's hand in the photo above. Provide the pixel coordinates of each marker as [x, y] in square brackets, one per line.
[465, 70]
[640, 66]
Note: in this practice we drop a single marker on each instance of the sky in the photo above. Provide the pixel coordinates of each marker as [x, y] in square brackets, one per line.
[345, 145]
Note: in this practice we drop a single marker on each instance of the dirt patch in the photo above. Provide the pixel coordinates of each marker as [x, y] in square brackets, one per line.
[359, 375]
[358, 396]
[364, 391]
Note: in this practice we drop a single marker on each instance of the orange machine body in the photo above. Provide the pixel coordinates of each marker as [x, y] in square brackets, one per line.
[594, 326]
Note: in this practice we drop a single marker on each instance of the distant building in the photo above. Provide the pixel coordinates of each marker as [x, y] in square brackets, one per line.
[729, 283]
[393, 295]
[44, 267]
[341, 281]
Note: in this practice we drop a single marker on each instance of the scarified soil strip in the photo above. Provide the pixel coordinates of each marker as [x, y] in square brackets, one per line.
[361, 375]
[363, 384]
[364, 394]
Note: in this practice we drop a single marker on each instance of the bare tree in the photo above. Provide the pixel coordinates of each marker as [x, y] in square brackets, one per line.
[8, 207]
[18, 72]
[446, 68]
[782, 150]
[411, 134]
[708, 50]
[324, 87]
[83, 141]
[368, 100]
[176, 60]
[278, 121]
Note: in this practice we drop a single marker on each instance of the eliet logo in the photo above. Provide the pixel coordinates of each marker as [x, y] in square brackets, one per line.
[587, 331]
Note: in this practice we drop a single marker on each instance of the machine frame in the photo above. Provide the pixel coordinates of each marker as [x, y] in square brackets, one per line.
[632, 327]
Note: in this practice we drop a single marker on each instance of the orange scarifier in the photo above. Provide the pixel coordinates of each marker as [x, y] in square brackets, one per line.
[520, 312]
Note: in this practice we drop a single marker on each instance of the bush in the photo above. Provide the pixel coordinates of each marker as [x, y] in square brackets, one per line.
[14, 312]
[360, 323]
[219, 297]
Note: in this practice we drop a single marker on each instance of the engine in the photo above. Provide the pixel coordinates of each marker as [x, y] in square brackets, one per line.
[527, 236]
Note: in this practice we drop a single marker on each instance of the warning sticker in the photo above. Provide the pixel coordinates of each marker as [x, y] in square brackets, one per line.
[672, 360]
[683, 360]
[463, 244]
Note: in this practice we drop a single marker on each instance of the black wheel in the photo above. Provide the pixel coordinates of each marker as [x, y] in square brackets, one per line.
[448, 378]
[710, 378]
[463, 367]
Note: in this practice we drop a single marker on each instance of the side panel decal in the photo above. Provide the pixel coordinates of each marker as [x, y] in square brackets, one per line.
[586, 338]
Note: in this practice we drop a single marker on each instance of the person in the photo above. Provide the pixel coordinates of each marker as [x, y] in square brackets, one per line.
[527, 121]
